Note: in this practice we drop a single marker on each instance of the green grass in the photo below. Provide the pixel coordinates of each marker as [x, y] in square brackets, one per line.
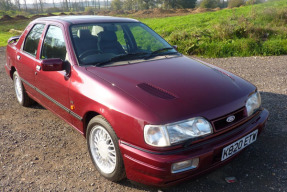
[246, 31]
[5, 28]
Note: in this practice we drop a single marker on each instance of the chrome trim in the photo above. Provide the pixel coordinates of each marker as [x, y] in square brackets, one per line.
[53, 100]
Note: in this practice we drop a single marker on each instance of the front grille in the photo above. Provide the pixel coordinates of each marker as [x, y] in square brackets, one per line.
[221, 123]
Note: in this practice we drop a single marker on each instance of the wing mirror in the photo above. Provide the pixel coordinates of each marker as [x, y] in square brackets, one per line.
[52, 65]
[175, 47]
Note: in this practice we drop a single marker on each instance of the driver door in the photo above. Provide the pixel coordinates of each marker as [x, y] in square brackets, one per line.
[53, 86]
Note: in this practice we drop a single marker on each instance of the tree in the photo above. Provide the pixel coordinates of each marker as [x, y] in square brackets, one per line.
[129, 4]
[41, 5]
[18, 4]
[36, 6]
[116, 5]
[6, 5]
[25, 3]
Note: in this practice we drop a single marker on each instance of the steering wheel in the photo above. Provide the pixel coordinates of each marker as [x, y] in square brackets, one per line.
[89, 52]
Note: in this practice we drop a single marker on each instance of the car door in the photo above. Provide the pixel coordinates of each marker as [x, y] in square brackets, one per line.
[26, 57]
[53, 86]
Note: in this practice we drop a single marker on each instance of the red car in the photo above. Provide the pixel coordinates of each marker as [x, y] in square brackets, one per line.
[149, 113]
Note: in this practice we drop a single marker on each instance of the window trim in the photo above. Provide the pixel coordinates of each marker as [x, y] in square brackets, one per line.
[24, 42]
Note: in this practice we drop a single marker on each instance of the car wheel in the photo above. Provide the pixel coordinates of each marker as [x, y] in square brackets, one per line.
[104, 149]
[21, 95]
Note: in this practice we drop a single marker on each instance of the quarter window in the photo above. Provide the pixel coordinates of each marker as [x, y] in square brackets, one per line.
[32, 40]
[54, 44]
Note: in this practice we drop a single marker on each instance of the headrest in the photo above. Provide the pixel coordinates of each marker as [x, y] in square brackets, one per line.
[84, 34]
[96, 30]
[107, 36]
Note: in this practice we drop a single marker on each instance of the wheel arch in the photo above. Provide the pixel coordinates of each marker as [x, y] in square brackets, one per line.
[86, 119]
[13, 69]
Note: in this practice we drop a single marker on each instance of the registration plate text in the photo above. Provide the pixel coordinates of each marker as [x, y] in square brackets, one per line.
[238, 145]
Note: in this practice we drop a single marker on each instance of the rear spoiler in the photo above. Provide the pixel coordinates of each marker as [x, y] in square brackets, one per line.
[13, 40]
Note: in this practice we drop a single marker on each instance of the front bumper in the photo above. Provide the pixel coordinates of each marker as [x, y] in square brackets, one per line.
[154, 168]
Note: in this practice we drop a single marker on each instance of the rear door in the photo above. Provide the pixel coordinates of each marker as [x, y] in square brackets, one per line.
[26, 57]
[53, 86]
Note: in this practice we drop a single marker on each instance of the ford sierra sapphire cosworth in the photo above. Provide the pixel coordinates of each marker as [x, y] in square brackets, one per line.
[149, 113]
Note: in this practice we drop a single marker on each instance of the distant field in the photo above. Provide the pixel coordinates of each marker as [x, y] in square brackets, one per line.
[246, 31]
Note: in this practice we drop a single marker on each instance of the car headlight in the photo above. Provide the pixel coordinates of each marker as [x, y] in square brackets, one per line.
[253, 103]
[169, 134]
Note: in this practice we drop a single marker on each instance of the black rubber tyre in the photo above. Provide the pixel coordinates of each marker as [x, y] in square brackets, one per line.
[20, 92]
[103, 147]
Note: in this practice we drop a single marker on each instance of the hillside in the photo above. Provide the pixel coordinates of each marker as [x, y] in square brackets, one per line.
[246, 31]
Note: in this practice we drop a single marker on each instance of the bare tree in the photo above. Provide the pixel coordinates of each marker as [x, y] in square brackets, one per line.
[6, 5]
[18, 4]
[36, 6]
[54, 4]
[25, 3]
[41, 5]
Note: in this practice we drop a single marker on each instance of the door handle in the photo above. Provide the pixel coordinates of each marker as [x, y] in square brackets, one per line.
[38, 67]
[18, 57]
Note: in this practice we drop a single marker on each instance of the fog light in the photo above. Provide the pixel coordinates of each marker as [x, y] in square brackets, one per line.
[184, 165]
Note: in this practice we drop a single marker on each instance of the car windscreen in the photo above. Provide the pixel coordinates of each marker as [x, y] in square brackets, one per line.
[101, 44]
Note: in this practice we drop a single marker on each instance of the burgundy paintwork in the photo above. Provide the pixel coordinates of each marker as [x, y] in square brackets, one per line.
[52, 65]
[199, 89]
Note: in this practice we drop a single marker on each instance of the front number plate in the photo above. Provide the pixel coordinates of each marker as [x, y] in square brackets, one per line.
[238, 145]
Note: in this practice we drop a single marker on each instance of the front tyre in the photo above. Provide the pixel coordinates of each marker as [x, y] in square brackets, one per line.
[104, 149]
[21, 95]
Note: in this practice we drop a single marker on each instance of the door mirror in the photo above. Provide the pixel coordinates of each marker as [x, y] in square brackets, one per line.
[52, 65]
[175, 47]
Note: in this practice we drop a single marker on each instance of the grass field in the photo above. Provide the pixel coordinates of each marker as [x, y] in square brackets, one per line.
[246, 31]
[5, 27]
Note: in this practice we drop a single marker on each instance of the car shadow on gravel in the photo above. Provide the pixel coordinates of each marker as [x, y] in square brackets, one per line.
[37, 106]
[261, 167]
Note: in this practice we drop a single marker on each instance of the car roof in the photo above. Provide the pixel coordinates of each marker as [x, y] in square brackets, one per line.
[78, 19]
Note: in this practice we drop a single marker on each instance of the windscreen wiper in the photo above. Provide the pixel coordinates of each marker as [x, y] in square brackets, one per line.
[120, 58]
[154, 53]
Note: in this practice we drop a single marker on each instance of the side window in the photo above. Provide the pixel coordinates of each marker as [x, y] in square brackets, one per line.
[32, 40]
[54, 45]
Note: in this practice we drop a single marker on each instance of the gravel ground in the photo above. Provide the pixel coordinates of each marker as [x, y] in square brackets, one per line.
[40, 152]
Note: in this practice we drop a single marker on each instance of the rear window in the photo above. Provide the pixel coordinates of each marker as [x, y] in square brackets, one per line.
[32, 39]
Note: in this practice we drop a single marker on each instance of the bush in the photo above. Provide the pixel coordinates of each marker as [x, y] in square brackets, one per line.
[89, 10]
[209, 4]
[53, 9]
[235, 3]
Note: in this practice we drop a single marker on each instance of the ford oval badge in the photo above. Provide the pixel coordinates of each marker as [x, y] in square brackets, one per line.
[230, 118]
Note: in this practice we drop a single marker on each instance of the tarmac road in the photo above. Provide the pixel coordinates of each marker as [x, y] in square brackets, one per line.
[40, 152]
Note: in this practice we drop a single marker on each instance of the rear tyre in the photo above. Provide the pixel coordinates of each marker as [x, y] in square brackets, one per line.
[21, 95]
[104, 149]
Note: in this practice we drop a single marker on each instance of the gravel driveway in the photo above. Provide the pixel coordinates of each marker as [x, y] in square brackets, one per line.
[40, 152]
